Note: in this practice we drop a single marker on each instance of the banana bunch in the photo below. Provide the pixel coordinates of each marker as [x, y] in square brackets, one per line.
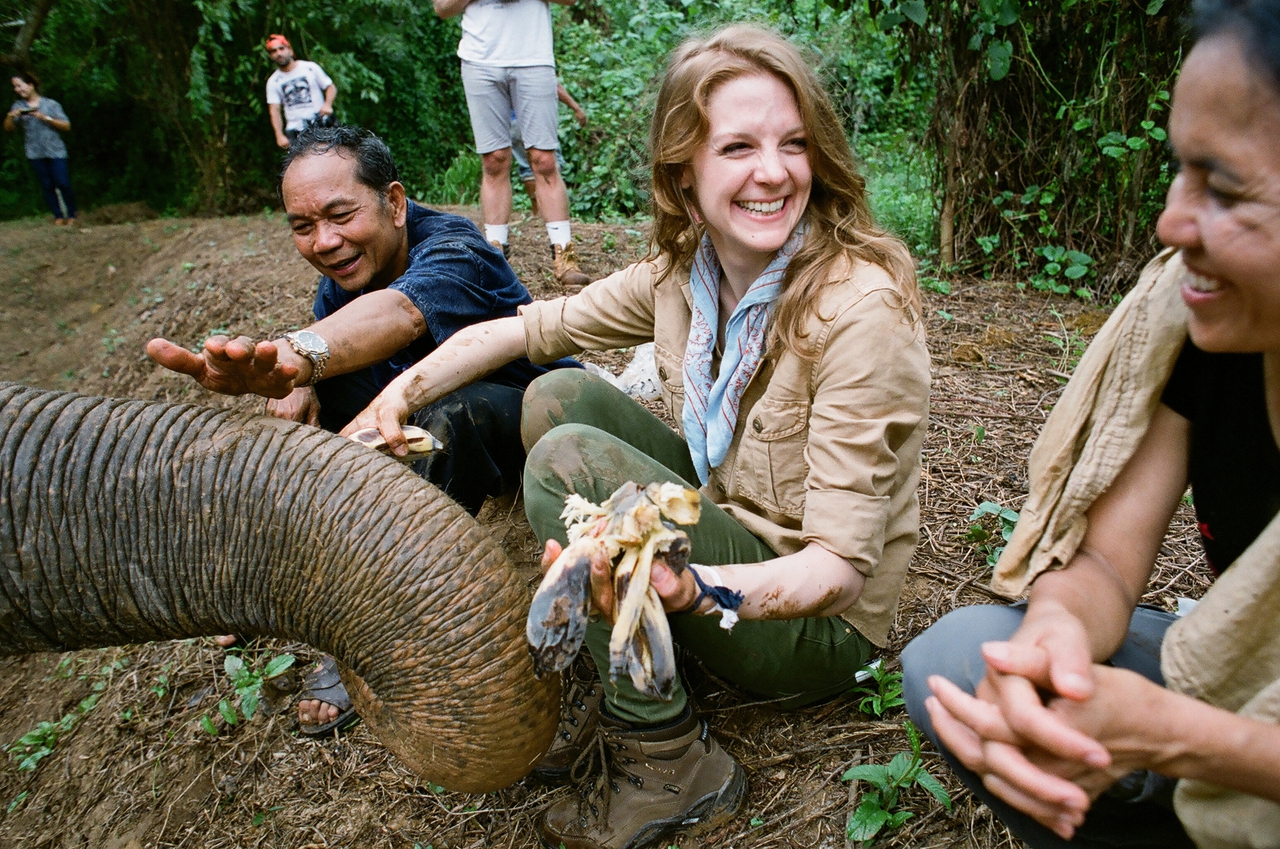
[626, 532]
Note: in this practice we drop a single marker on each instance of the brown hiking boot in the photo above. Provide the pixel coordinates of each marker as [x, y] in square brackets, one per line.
[651, 784]
[506, 250]
[579, 719]
[565, 265]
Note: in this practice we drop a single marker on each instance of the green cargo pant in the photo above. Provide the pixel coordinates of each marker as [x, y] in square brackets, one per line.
[585, 436]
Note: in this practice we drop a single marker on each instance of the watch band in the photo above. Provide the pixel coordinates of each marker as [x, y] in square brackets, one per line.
[314, 348]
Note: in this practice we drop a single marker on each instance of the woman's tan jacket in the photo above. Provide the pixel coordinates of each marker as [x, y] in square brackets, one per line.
[825, 450]
[1227, 650]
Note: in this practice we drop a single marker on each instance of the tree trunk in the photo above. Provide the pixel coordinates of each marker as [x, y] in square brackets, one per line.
[20, 58]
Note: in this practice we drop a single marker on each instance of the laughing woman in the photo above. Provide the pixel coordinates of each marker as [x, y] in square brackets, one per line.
[790, 349]
[1082, 719]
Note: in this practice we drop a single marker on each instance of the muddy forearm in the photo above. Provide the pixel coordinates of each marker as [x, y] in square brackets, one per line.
[812, 582]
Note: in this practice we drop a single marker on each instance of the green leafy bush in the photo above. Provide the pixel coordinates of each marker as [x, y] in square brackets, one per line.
[878, 807]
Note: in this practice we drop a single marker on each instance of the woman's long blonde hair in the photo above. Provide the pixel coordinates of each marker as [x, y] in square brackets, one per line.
[841, 225]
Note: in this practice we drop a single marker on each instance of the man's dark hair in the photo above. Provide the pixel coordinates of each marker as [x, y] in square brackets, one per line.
[375, 166]
[1256, 23]
[27, 77]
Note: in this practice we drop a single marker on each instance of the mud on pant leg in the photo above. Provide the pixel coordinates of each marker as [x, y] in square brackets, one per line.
[482, 455]
[951, 648]
[478, 424]
[794, 662]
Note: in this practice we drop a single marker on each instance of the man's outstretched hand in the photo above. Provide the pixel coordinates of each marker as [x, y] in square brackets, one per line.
[230, 366]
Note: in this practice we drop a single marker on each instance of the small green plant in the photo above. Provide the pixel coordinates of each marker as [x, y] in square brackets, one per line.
[1071, 265]
[111, 341]
[39, 743]
[936, 285]
[883, 691]
[983, 538]
[248, 685]
[876, 809]
[609, 242]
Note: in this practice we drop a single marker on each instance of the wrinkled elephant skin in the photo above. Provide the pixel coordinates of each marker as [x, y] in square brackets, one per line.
[125, 521]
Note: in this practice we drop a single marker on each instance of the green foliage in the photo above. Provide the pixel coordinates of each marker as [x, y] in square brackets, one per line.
[248, 687]
[38, 743]
[877, 808]
[459, 183]
[1045, 95]
[883, 691]
[167, 98]
[982, 535]
[997, 136]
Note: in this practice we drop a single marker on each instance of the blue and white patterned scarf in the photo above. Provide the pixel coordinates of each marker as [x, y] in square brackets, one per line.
[711, 408]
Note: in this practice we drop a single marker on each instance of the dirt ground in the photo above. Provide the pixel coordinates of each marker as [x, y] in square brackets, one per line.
[139, 770]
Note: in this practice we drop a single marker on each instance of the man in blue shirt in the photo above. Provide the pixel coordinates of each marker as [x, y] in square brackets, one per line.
[398, 279]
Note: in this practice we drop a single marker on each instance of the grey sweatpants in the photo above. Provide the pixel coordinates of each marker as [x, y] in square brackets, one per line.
[951, 647]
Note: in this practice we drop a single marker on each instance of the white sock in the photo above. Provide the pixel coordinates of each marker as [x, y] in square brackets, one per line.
[496, 233]
[558, 232]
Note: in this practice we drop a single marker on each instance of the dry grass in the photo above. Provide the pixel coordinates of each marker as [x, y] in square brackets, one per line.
[139, 771]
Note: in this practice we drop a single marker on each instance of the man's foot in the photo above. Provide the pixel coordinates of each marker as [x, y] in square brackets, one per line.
[565, 266]
[506, 249]
[653, 783]
[325, 706]
[579, 719]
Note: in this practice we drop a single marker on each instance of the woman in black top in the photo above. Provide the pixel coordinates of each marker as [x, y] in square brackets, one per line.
[1059, 735]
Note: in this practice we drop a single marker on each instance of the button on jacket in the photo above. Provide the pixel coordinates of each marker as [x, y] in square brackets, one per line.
[825, 450]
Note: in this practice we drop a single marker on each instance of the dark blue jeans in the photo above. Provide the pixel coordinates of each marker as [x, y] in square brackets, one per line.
[951, 647]
[55, 184]
[479, 426]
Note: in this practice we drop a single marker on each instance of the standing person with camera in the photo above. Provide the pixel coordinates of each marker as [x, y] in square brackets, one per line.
[299, 93]
[42, 119]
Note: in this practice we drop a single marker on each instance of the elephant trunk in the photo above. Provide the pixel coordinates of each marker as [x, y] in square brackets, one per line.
[126, 521]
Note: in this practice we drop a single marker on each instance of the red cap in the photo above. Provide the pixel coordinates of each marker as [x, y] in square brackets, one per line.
[277, 40]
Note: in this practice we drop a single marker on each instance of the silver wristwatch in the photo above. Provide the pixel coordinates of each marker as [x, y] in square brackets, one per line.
[314, 348]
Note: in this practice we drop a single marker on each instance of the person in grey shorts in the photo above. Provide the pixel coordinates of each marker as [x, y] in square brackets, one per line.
[508, 64]
[523, 169]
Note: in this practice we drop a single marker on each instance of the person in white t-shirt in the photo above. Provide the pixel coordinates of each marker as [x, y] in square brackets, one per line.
[301, 90]
[508, 66]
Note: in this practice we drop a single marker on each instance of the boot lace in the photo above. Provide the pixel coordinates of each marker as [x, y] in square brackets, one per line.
[603, 760]
[574, 699]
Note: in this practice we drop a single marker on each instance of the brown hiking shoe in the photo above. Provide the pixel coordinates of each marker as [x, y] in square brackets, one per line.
[506, 250]
[651, 784]
[579, 719]
[565, 265]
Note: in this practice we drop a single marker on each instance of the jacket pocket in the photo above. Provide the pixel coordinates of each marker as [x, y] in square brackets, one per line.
[770, 468]
[671, 380]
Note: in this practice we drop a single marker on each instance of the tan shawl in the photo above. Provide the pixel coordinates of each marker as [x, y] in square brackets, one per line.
[1227, 651]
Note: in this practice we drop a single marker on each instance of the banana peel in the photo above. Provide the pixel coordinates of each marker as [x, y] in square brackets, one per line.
[632, 527]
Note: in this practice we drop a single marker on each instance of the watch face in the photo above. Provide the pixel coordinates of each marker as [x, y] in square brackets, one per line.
[311, 342]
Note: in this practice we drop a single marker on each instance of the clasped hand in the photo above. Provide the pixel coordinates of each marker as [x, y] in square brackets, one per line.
[1047, 755]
